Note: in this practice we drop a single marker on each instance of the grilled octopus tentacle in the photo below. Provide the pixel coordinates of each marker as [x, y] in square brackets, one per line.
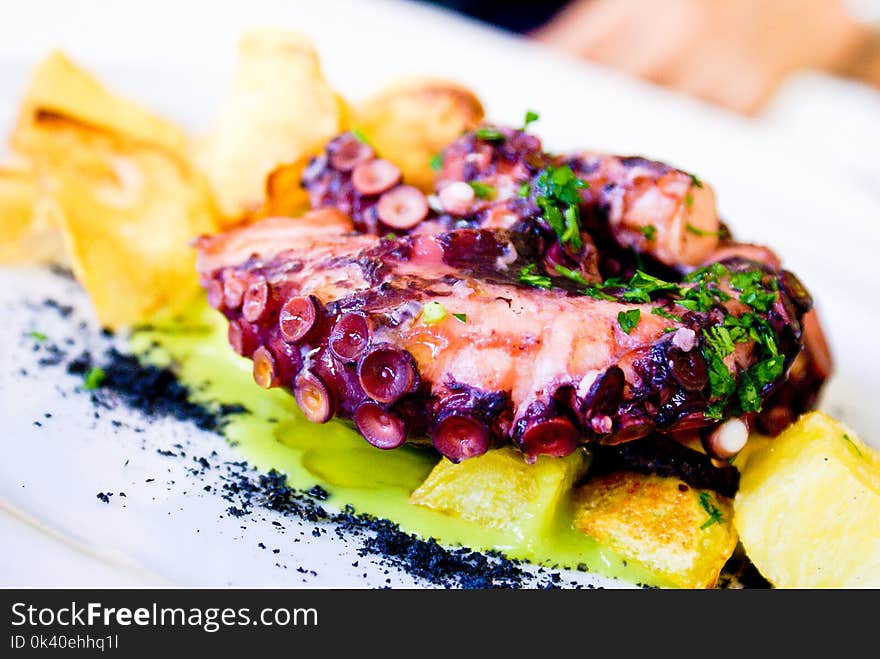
[337, 318]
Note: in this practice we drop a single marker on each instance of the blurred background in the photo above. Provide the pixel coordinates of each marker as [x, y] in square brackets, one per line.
[733, 53]
[809, 69]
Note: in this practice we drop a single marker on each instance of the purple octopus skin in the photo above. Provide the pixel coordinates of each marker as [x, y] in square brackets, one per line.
[633, 214]
[434, 334]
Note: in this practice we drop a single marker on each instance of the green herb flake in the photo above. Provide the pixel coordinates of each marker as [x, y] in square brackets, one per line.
[714, 411]
[642, 285]
[628, 320]
[360, 136]
[649, 231]
[660, 311]
[461, 316]
[528, 275]
[573, 275]
[531, 117]
[482, 190]
[690, 228]
[390, 236]
[436, 162]
[696, 181]
[558, 197]
[433, 312]
[37, 336]
[718, 338]
[571, 235]
[524, 190]
[854, 446]
[489, 134]
[589, 288]
[714, 513]
[721, 382]
[689, 201]
[94, 378]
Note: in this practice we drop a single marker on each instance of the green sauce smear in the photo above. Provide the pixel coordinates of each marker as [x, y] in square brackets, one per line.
[275, 435]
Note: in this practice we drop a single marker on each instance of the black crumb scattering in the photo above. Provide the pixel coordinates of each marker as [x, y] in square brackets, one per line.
[64, 310]
[318, 492]
[156, 392]
[150, 389]
[382, 539]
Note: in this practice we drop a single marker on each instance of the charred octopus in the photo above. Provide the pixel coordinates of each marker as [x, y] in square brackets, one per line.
[537, 299]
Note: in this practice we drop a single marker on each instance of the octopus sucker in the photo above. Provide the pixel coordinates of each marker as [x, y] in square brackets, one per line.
[537, 300]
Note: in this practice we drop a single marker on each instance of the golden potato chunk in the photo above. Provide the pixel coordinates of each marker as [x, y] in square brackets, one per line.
[808, 507]
[682, 534]
[500, 490]
[412, 120]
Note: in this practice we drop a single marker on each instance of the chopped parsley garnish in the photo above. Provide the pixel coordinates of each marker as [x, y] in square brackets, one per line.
[751, 327]
[590, 289]
[558, 197]
[689, 201]
[360, 136]
[37, 336]
[524, 190]
[390, 236]
[714, 513]
[531, 117]
[696, 181]
[571, 233]
[482, 190]
[660, 311]
[719, 340]
[575, 276]
[649, 231]
[690, 228]
[94, 378]
[755, 379]
[710, 273]
[752, 290]
[436, 162]
[433, 313]
[528, 275]
[628, 320]
[642, 285]
[706, 294]
[461, 316]
[489, 134]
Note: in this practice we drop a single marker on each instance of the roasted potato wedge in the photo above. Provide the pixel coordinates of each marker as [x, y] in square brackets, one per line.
[279, 110]
[808, 507]
[499, 490]
[412, 120]
[681, 534]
